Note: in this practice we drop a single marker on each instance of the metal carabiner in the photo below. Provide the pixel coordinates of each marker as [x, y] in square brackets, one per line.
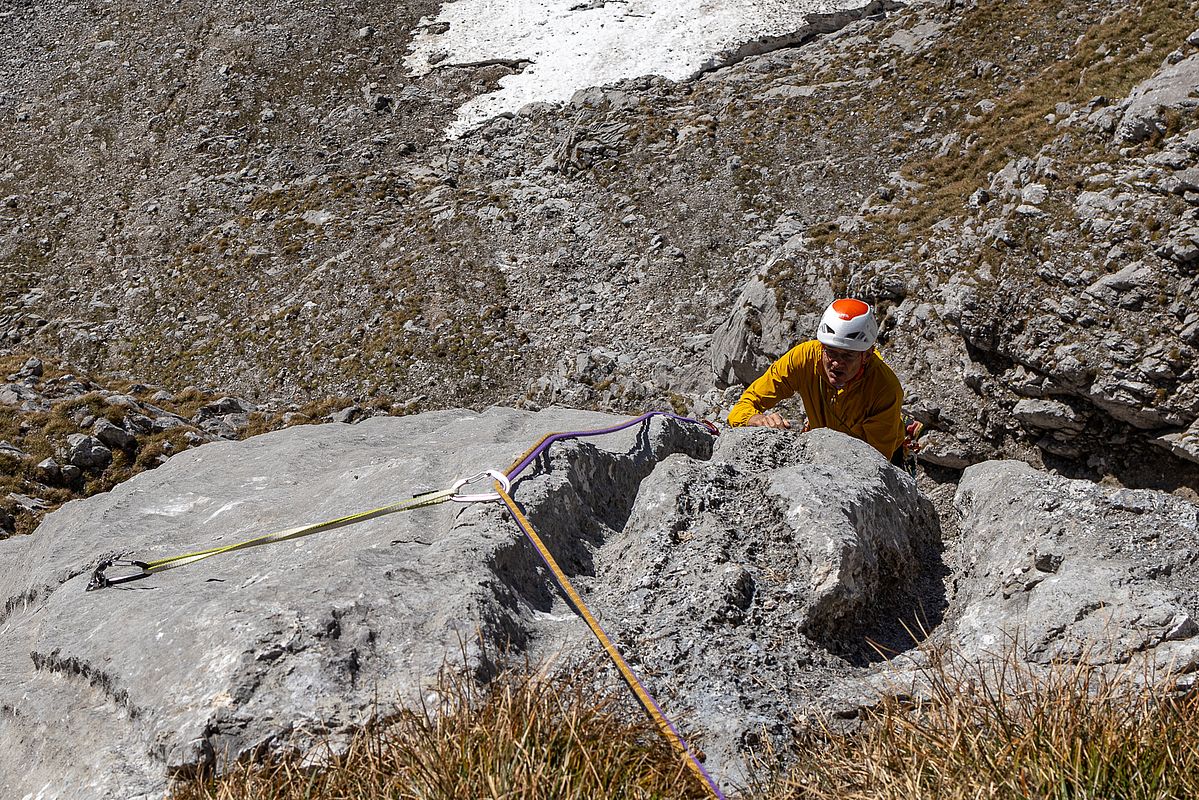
[483, 497]
[100, 579]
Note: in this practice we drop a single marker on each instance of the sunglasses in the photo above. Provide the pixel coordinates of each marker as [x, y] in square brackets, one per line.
[842, 356]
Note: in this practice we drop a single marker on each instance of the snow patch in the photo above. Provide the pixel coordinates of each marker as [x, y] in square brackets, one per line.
[573, 44]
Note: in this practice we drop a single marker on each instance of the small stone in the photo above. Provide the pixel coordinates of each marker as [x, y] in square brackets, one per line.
[979, 198]
[87, 452]
[1047, 562]
[166, 423]
[348, 415]
[113, 435]
[1181, 627]
[48, 471]
[1034, 194]
[30, 504]
[1048, 415]
[226, 405]
[122, 401]
[11, 451]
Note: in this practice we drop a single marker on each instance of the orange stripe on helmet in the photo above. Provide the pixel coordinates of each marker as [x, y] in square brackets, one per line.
[848, 308]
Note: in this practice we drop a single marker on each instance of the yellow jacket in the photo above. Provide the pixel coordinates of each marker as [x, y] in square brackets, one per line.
[868, 407]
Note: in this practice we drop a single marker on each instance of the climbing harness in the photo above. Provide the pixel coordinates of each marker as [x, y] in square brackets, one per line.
[501, 486]
[912, 430]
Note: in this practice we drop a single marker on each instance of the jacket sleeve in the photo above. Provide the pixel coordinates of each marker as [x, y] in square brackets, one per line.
[775, 385]
[884, 426]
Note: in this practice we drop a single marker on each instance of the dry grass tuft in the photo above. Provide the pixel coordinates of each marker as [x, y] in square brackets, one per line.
[999, 729]
[1004, 729]
[522, 736]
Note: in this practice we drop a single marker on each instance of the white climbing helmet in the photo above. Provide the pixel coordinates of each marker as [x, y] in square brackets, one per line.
[848, 324]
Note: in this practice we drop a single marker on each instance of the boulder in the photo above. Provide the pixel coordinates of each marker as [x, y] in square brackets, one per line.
[87, 452]
[752, 336]
[1067, 569]
[113, 436]
[1048, 415]
[787, 557]
[735, 582]
[279, 644]
[1144, 109]
[1184, 444]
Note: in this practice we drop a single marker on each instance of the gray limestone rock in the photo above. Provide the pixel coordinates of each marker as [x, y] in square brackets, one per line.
[167, 422]
[113, 435]
[10, 453]
[1184, 444]
[760, 575]
[1170, 87]
[945, 450]
[1134, 277]
[33, 368]
[87, 452]
[226, 426]
[1048, 415]
[1131, 401]
[1070, 570]
[27, 503]
[751, 337]
[348, 415]
[107, 692]
[223, 406]
[123, 401]
[23, 397]
[49, 471]
[781, 557]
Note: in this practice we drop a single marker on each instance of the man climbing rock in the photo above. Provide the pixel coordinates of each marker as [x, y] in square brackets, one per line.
[844, 383]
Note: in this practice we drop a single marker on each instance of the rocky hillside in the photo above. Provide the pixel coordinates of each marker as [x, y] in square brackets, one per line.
[225, 219]
[65, 435]
[260, 201]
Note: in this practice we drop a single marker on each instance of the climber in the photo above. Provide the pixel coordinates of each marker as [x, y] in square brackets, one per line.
[843, 382]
